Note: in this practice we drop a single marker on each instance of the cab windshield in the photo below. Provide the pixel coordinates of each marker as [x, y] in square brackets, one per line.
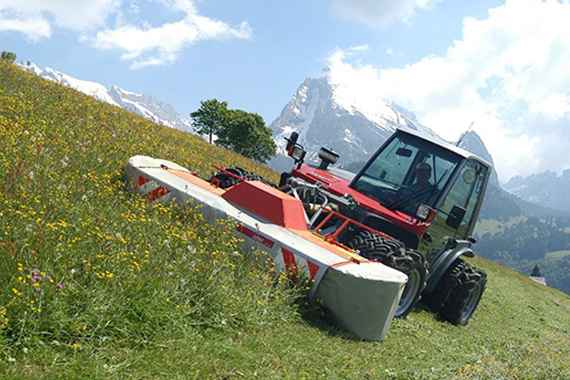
[408, 172]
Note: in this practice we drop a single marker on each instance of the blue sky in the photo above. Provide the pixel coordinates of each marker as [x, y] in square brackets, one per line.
[289, 42]
[452, 62]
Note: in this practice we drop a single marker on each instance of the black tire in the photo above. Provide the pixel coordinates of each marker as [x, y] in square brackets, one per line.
[394, 254]
[224, 180]
[458, 293]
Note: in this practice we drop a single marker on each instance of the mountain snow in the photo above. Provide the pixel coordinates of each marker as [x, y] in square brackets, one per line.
[140, 104]
[328, 115]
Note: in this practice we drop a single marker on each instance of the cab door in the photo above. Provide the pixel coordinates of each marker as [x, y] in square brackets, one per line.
[465, 196]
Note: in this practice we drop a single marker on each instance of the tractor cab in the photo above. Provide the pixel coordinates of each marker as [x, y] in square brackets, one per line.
[415, 188]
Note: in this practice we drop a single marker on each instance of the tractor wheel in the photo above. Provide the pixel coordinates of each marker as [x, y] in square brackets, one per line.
[393, 254]
[458, 293]
[224, 180]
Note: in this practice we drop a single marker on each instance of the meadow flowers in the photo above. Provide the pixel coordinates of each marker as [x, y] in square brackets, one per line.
[83, 258]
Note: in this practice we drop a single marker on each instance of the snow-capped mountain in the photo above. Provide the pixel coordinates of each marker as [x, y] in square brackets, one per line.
[324, 116]
[140, 104]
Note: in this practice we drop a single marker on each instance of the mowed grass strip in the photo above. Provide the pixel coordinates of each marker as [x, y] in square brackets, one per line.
[97, 283]
[556, 255]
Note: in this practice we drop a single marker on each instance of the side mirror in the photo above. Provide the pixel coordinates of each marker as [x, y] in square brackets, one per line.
[455, 217]
[292, 141]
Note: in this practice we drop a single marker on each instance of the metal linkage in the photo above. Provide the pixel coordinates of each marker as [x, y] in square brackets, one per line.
[346, 221]
[298, 186]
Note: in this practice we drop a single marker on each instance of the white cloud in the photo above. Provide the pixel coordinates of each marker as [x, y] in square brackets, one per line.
[140, 45]
[151, 46]
[35, 17]
[508, 74]
[33, 28]
[379, 12]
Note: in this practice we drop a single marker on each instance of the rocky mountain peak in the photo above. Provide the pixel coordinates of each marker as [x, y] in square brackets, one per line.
[327, 115]
[471, 141]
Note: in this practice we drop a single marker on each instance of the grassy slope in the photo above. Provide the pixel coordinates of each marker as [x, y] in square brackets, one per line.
[135, 300]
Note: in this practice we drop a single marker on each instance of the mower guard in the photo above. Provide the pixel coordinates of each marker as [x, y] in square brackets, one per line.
[362, 295]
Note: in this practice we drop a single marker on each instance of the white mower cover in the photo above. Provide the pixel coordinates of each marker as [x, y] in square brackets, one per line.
[362, 295]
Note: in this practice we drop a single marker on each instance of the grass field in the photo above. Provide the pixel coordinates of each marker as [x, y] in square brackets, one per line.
[96, 283]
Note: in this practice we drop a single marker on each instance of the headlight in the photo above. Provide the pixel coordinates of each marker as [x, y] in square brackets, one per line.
[297, 153]
[425, 212]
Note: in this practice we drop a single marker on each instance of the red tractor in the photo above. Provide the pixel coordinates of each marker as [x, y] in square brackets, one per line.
[413, 207]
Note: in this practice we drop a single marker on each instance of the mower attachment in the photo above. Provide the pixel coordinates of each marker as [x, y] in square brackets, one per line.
[362, 295]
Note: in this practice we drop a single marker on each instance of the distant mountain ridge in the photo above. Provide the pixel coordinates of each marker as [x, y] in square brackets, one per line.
[547, 189]
[140, 104]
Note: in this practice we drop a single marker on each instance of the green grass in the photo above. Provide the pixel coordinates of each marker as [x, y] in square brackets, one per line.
[96, 283]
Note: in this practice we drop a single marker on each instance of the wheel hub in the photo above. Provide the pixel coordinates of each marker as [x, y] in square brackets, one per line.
[410, 292]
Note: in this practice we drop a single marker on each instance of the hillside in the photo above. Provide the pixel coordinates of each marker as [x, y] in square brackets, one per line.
[99, 284]
[143, 105]
[524, 242]
[555, 268]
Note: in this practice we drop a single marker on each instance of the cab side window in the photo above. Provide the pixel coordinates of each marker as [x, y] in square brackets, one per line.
[480, 175]
[460, 192]
[465, 193]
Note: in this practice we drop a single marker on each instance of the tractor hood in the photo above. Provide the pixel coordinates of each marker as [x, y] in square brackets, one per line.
[337, 181]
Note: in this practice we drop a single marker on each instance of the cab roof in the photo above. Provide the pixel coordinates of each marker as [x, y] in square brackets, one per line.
[444, 144]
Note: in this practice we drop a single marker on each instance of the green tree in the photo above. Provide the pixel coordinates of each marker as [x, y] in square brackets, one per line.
[209, 118]
[8, 56]
[246, 133]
